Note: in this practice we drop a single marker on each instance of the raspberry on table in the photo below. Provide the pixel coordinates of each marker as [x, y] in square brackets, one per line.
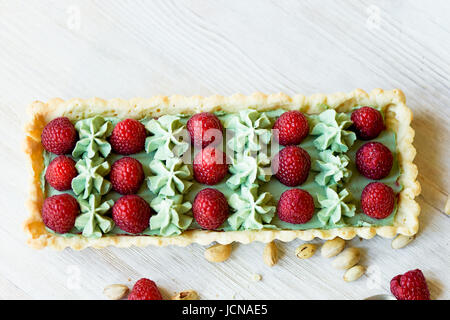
[205, 129]
[367, 123]
[291, 166]
[131, 213]
[210, 166]
[410, 286]
[377, 200]
[145, 289]
[59, 136]
[60, 172]
[295, 206]
[374, 160]
[126, 175]
[128, 137]
[210, 208]
[292, 128]
[59, 212]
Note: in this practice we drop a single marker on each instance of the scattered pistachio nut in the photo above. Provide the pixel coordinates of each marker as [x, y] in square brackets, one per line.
[447, 206]
[401, 241]
[186, 295]
[115, 291]
[270, 254]
[354, 273]
[347, 259]
[218, 252]
[305, 251]
[332, 248]
[256, 277]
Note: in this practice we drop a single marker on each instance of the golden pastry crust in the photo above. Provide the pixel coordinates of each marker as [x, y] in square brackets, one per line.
[398, 119]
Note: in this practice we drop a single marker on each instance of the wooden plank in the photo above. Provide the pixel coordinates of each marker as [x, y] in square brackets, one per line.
[123, 49]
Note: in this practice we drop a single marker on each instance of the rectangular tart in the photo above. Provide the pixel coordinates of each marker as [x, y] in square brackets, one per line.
[397, 117]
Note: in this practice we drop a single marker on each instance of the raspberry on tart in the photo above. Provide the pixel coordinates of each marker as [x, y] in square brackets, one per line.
[291, 166]
[145, 289]
[131, 213]
[210, 166]
[126, 175]
[210, 208]
[295, 206]
[367, 123]
[60, 172]
[410, 286]
[128, 137]
[292, 128]
[59, 212]
[59, 136]
[377, 200]
[205, 129]
[374, 160]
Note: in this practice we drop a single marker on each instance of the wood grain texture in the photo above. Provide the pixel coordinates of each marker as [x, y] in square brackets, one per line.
[142, 48]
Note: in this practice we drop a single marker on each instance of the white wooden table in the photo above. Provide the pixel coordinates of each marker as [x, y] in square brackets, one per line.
[142, 48]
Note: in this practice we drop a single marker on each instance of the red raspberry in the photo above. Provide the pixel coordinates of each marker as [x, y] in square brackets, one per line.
[59, 136]
[128, 137]
[145, 289]
[295, 206]
[210, 208]
[410, 286]
[367, 123]
[291, 166]
[60, 172]
[377, 200]
[210, 166]
[204, 129]
[293, 128]
[374, 160]
[126, 175]
[131, 213]
[59, 212]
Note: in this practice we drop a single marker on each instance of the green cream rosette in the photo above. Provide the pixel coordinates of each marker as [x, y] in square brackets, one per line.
[335, 206]
[170, 177]
[90, 177]
[172, 216]
[167, 137]
[329, 127]
[251, 129]
[245, 170]
[252, 211]
[92, 220]
[332, 168]
[93, 133]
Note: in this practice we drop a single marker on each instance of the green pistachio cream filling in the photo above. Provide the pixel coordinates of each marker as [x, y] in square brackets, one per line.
[250, 188]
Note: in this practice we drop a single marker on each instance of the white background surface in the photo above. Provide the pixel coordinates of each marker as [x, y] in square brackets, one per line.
[142, 48]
